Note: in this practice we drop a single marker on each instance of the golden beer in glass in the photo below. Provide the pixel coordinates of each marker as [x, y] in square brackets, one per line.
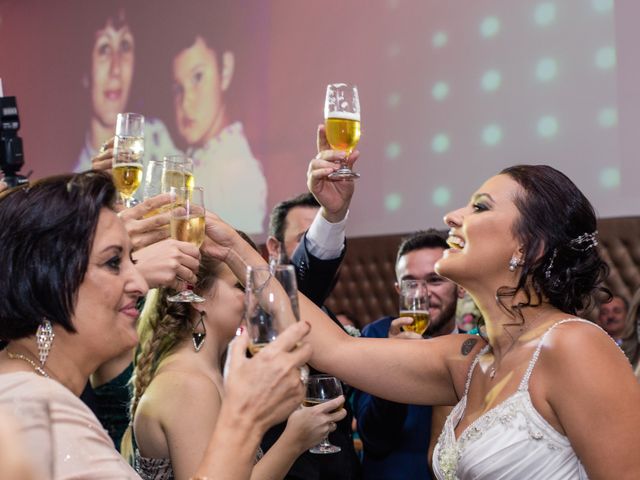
[414, 303]
[342, 123]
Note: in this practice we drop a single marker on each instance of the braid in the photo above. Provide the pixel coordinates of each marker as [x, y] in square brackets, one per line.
[162, 326]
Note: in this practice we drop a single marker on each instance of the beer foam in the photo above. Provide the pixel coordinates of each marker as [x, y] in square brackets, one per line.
[343, 115]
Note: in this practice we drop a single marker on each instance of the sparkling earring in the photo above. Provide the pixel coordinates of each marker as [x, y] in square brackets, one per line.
[44, 340]
[198, 337]
[513, 264]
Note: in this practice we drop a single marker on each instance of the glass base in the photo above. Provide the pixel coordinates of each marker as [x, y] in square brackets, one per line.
[343, 173]
[323, 448]
[186, 296]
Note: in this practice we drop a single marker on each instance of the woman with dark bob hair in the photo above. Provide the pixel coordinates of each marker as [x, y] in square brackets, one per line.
[68, 305]
[534, 394]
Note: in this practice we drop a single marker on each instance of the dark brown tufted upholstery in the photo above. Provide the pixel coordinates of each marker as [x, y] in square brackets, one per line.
[365, 288]
[620, 247]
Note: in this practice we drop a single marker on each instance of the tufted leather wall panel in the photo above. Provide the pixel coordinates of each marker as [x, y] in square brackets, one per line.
[620, 247]
[365, 288]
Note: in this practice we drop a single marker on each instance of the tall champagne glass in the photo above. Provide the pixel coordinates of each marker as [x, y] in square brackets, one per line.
[128, 149]
[188, 225]
[414, 303]
[320, 389]
[152, 181]
[342, 122]
[178, 172]
[271, 303]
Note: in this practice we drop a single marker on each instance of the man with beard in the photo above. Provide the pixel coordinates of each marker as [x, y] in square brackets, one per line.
[395, 436]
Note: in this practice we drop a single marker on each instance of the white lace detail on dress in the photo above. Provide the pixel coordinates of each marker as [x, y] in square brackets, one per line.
[511, 440]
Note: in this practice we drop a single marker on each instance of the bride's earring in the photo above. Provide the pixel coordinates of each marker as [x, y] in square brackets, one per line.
[513, 264]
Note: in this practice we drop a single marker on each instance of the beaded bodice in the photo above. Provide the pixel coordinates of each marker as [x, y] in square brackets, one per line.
[510, 441]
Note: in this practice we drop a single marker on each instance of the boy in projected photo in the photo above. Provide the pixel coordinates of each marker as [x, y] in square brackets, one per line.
[202, 69]
[108, 78]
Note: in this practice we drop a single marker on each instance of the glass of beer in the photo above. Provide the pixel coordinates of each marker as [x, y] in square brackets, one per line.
[187, 224]
[128, 149]
[271, 303]
[342, 123]
[414, 303]
[320, 389]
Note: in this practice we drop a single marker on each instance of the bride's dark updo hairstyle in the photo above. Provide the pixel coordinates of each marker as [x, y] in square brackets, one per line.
[557, 228]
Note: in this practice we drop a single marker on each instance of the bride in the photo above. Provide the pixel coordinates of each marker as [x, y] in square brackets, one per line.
[543, 394]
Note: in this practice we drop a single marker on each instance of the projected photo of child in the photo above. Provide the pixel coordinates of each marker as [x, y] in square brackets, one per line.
[201, 68]
[110, 57]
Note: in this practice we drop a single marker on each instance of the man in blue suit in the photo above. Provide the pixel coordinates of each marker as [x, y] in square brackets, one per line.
[396, 437]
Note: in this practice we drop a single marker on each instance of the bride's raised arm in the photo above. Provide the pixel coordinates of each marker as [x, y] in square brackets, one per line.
[432, 372]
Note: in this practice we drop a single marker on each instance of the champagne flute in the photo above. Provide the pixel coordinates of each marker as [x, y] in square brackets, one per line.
[271, 303]
[187, 224]
[414, 303]
[177, 172]
[128, 149]
[152, 184]
[342, 122]
[320, 389]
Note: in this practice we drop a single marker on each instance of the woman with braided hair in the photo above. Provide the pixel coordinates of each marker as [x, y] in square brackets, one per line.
[178, 387]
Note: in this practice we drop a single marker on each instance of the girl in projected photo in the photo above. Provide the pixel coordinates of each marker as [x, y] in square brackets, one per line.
[109, 79]
[202, 69]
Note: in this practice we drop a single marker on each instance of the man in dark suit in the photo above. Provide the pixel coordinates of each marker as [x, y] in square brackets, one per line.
[308, 231]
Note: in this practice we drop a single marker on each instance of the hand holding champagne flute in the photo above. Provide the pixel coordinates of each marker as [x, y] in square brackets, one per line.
[187, 224]
[414, 303]
[128, 149]
[342, 121]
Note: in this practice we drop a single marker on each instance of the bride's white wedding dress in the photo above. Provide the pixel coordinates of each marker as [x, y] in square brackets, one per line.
[510, 441]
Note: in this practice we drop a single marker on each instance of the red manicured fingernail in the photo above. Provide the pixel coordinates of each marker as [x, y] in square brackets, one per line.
[239, 330]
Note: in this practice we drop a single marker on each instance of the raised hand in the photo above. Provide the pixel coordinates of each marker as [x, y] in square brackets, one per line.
[145, 231]
[267, 387]
[103, 160]
[167, 262]
[333, 195]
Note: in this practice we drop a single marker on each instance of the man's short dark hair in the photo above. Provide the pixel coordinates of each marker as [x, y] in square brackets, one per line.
[46, 238]
[430, 238]
[278, 217]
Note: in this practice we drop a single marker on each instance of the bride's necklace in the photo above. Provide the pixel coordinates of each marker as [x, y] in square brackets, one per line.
[37, 368]
[525, 328]
[494, 368]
